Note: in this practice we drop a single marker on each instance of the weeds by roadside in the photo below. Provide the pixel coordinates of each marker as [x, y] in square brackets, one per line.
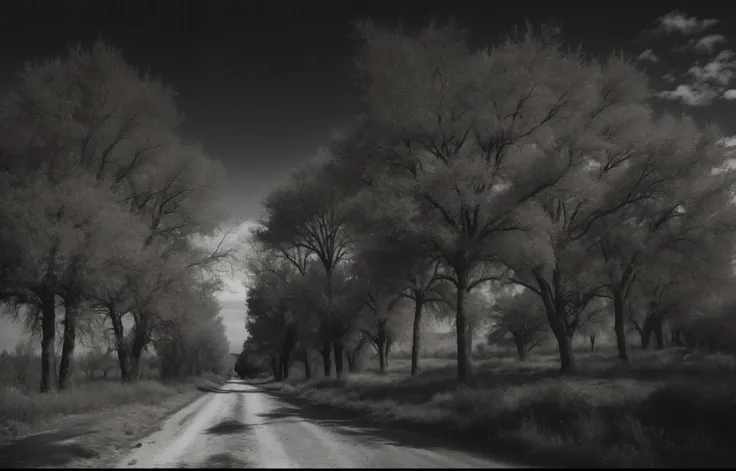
[22, 412]
[660, 411]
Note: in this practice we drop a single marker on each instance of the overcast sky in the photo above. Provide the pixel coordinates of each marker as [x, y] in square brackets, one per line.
[263, 86]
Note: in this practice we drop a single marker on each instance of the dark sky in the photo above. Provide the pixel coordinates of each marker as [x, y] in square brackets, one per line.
[263, 86]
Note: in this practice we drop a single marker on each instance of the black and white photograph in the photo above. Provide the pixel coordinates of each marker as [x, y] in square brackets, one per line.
[367, 234]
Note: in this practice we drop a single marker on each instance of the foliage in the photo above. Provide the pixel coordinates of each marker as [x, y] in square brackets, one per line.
[103, 203]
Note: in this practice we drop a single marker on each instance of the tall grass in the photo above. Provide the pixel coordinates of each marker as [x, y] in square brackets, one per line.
[666, 408]
[21, 411]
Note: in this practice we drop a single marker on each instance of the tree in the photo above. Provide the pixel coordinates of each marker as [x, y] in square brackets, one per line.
[380, 298]
[24, 357]
[248, 363]
[103, 232]
[306, 217]
[674, 179]
[519, 315]
[190, 340]
[64, 234]
[463, 139]
[91, 114]
[596, 320]
[411, 274]
[622, 159]
[271, 319]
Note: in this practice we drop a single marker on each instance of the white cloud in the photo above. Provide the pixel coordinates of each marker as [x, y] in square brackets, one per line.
[669, 77]
[690, 95]
[729, 141]
[718, 71]
[729, 94]
[708, 43]
[708, 82]
[725, 55]
[677, 22]
[648, 55]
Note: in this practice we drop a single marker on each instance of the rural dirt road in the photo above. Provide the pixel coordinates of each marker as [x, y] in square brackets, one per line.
[240, 426]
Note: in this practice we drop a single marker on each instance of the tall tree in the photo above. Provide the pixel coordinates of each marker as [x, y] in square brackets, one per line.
[463, 139]
[308, 218]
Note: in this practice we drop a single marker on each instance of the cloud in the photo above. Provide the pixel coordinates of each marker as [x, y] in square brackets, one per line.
[729, 141]
[648, 55]
[718, 71]
[729, 94]
[677, 22]
[690, 95]
[707, 43]
[669, 77]
[707, 82]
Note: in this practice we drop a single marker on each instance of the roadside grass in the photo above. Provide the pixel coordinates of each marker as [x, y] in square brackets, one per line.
[665, 408]
[23, 412]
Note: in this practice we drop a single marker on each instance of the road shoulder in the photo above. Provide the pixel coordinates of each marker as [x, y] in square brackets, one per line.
[92, 440]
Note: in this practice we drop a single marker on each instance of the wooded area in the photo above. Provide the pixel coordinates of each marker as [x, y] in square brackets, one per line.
[524, 190]
[105, 220]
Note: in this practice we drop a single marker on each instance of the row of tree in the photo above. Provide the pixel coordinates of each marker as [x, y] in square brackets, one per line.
[525, 185]
[105, 208]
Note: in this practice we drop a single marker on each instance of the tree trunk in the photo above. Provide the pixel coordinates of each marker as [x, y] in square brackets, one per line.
[326, 363]
[351, 362]
[562, 333]
[48, 339]
[389, 342]
[567, 360]
[658, 332]
[285, 367]
[326, 348]
[67, 350]
[469, 341]
[122, 346]
[124, 362]
[381, 349]
[592, 342]
[619, 325]
[339, 352]
[416, 336]
[464, 372]
[139, 344]
[677, 336]
[133, 368]
[646, 332]
[286, 357]
[276, 366]
[520, 346]
[307, 365]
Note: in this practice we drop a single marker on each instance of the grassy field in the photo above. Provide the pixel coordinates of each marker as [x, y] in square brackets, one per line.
[665, 408]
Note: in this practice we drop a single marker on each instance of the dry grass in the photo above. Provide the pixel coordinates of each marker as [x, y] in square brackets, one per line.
[89, 426]
[665, 408]
[26, 412]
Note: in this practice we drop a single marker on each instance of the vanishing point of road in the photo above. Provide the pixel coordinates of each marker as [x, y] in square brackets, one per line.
[241, 426]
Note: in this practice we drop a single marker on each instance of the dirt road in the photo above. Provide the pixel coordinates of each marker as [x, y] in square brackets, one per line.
[240, 426]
